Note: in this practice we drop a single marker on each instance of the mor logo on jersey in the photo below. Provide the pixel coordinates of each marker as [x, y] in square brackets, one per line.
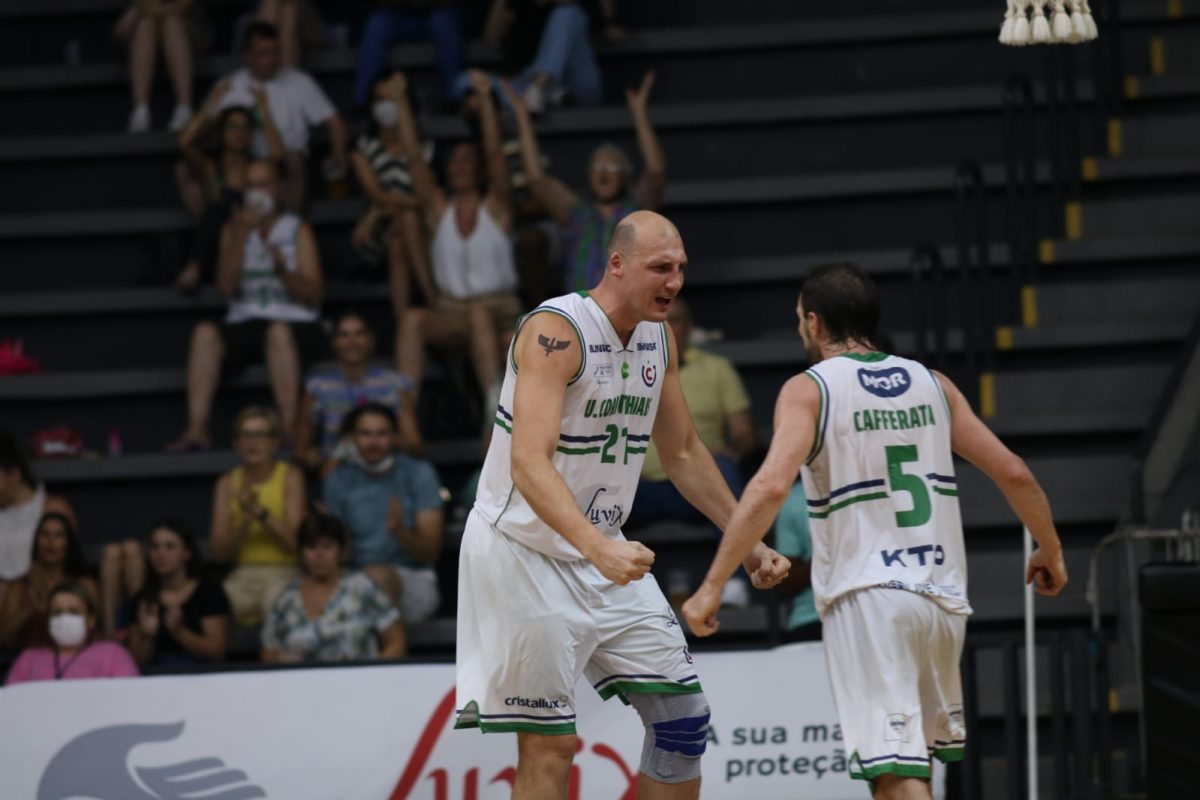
[891, 382]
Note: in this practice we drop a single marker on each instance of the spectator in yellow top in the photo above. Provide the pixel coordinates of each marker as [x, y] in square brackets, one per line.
[721, 410]
[257, 508]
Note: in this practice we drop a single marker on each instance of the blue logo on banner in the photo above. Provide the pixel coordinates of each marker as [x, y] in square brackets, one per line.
[891, 382]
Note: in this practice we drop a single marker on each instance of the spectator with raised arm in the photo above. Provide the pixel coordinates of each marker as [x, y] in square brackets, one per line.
[23, 502]
[73, 649]
[211, 183]
[391, 229]
[721, 409]
[57, 557]
[181, 618]
[330, 614]
[256, 509]
[587, 223]
[393, 506]
[333, 393]
[470, 221]
[143, 27]
[296, 104]
[270, 270]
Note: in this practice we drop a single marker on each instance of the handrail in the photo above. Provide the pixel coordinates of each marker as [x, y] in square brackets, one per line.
[928, 273]
[975, 299]
[1020, 159]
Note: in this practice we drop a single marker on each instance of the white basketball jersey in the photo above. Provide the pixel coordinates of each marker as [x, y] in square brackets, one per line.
[883, 499]
[607, 416]
[262, 294]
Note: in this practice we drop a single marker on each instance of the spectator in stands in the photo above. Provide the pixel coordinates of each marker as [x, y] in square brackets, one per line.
[256, 510]
[333, 393]
[391, 227]
[329, 614]
[74, 651]
[549, 45]
[211, 185]
[721, 411]
[588, 225]
[389, 23]
[181, 618]
[142, 27]
[270, 270]
[296, 103]
[475, 279]
[284, 15]
[23, 502]
[792, 539]
[393, 506]
[57, 557]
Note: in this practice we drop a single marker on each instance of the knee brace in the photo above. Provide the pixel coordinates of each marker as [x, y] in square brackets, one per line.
[676, 734]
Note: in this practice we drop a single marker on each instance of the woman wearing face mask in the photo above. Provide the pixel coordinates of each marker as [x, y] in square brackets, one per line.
[182, 618]
[73, 651]
[391, 227]
[329, 614]
[57, 557]
[211, 183]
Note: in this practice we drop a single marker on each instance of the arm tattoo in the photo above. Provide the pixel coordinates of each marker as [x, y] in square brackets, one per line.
[553, 345]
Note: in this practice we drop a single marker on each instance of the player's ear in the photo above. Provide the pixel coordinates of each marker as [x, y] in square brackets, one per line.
[616, 264]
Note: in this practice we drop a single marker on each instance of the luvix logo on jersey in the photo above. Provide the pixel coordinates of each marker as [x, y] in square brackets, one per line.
[601, 515]
[891, 382]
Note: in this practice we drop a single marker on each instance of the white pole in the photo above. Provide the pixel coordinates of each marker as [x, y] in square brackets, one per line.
[1030, 680]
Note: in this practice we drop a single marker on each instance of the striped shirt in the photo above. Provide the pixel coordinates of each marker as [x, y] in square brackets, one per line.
[585, 243]
[390, 168]
[334, 397]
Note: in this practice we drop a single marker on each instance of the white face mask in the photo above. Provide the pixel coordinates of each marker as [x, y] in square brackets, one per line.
[260, 200]
[378, 468]
[68, 630]
[386, 113]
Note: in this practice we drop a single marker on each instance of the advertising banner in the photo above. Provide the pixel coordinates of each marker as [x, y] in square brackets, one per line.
[385, 733]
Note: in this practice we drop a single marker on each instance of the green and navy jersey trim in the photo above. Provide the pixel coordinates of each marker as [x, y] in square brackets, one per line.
[666, 340]
[941, 390]
[866, 357]
[512, 356]
[862, 491]
[636, 443]
[950, 487]
[823, 420]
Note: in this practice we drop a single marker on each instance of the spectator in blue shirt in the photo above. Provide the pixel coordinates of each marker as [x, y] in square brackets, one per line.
[392, 504]
[792, 539]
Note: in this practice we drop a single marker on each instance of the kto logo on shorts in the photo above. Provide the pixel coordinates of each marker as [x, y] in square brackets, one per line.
[884, 382]
[537, 702]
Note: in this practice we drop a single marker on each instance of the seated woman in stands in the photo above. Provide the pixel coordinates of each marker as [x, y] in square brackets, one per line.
[23, 501]
[57, 557]
[211, 184]
[181, 617]
[74, 650]
[330, 614]
[257, 507]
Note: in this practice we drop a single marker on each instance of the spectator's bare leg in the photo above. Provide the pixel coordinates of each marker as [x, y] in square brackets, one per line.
[485, 352]
[399, 272]
[410, 346]
[543, 763]
[203, 374]
[284, 15]
[295, 180]
[133, 567]
[283, 369]
[191, 193]
[110, 588]
[143, 47]
[178, 52]
[386, 579]
[417, 245]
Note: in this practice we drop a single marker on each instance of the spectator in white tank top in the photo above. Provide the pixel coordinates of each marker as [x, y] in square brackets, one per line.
[270, 270]
[475, 281]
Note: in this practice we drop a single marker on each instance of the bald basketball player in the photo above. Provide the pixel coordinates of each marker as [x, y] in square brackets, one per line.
[549, 588]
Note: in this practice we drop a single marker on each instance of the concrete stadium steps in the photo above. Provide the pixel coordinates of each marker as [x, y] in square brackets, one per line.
[1158, 136]
[1180, 53]
[1170, 301]
[1093, 399]
[1159, 213]
[712, 141]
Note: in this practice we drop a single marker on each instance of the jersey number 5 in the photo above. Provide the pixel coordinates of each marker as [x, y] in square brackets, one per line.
[901, 481]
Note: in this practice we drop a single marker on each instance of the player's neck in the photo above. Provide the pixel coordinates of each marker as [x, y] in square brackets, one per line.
[622, 318]
[832, 350]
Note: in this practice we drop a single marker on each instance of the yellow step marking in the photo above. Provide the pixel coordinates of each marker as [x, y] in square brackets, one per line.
[1158, 56]
[1074, 220]
[1116, 138]
[987, 395]
[1046, 251]
[1029, 306]
[1132, 87]
[1004, 337]
[1090, 169]
[1174, 9]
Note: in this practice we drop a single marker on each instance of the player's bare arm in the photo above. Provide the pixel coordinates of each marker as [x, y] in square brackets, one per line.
[972, 440]
[548, 355]
[691, 467]
[795, 428]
